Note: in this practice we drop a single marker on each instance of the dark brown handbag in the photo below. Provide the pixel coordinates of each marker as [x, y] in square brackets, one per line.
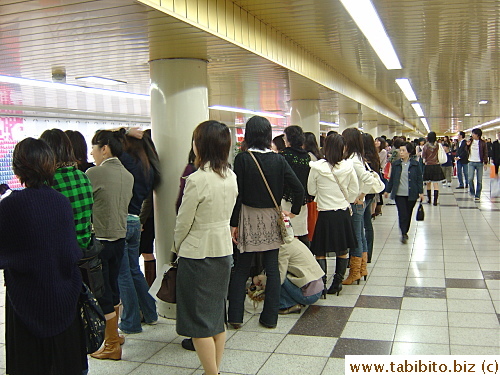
[167, 289]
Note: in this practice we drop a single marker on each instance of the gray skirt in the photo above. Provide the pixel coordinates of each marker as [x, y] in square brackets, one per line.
[202, 287]
[258, 230]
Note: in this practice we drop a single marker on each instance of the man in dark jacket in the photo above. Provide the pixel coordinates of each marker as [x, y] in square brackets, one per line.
[496, 153]
[478, 159]
[462, 160]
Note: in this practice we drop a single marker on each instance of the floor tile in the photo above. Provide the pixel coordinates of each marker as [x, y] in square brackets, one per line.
[491, 275]
[429, 318]
[371, 315]
[322, 321]
[473, 350]
[389, 272]
[451, 274]
[344, 300]
[427, 265]
[306, 345]
[415, 348]
[243, 361]
[261, 341]
[426, 273]
[475, 336]
[284, 325]
[493, 284]
[465, 283]
[431, 335]
[471, 266]
[431, 304]
[386, 281]
[174, 355]
[379, 302]
[301, 364]
[147, 369]
[425, 282]
[468, 294]
[382, 290]
[100, 367]
[347, 346]
[472, 320]
[424, 292]
[137, 351]
[478, 306]
[369, 331]
[334, 366]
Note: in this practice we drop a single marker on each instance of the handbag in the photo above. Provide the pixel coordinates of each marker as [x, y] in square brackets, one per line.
[92, 319]
[284, 224]
[342, 190]
[167, 292]
[378, 185]
[442, 157]
[420, 212]
[91, 267]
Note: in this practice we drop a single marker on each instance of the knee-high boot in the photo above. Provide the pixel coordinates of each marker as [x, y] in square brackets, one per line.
[429, 196]
[340, 268]
[150, 271]
[363, 270]
[322, 264]
[111, 348]
[121, 337]
[354, 271]
[436, 195]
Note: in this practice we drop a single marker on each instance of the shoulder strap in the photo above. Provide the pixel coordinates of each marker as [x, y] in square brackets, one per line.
[340, 186]
[265, 181]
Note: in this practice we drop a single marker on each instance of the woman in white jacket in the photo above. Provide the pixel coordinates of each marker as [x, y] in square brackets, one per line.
[334, 183]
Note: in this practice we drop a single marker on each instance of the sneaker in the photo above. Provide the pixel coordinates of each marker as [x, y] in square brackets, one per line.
[476, 199]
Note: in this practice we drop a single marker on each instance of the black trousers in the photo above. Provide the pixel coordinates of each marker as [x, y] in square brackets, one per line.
[405, 210]
[111, 257]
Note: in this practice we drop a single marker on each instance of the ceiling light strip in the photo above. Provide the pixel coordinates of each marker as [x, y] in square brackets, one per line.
[426, 124]
[405, 86]
[246, 111]
[68, 87]
[366, 17]
[418, 109]
[332, 124]
[487, 123]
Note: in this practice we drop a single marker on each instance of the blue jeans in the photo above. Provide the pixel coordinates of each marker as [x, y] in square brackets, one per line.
[133, 286]
[358, 212]
[269, 315]
[462, 169]
[367, 220]
[291, 295]
[478, 168]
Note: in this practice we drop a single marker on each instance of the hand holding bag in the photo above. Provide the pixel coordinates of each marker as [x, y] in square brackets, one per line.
[283, 221]
[91, 267]
[168, 284]
[420, 212]
[442, 158]
[92, 319]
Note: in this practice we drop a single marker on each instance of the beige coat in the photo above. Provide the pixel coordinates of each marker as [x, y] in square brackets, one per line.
[298, 264]
[202, 227]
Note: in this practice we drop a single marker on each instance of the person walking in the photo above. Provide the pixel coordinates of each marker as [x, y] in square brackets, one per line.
[433, 173]
[254, 226]
[462, 159]
[496, 153]
[405, 187]
[202, 242]
[478, 160]
[334, 184]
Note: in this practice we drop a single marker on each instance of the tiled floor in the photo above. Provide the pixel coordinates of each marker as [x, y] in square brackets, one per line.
[438, 294]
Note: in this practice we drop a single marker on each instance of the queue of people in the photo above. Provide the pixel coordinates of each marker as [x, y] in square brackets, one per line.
[226, 218]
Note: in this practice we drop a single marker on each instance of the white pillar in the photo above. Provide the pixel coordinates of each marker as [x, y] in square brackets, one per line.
[305, 113]
[383, 130]
[179, 102]
[348, 120]
[370, 127]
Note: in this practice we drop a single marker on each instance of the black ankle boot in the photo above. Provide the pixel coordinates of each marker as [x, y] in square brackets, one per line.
[436, 195]
[429, 196]
[340, 268]
[322, 264]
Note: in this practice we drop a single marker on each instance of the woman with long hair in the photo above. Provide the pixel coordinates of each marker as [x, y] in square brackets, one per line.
[334, 183]
[380, 148]
[202, 241]
[254, 225]
[311, 146]
[79, 149]
[433, 173]
[355, 151]
[373, 161]
[39, 255]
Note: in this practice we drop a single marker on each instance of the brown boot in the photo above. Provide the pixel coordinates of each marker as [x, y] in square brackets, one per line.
[354, 271]
[150, 271]
[111, 348]
[364, 260]
[121, 337]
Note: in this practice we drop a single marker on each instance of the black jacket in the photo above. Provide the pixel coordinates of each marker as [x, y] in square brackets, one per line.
[463, 152]
[496, 152]
[252, 190]
[415, 180]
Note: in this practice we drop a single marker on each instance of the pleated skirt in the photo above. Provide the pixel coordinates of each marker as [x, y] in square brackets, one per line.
[433, 173]
[334, 233]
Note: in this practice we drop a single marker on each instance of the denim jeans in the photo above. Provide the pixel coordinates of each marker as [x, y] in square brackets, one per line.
[291, 295]
[462, 169]
[367, 220]
[358, 212]
[269, 315]
[133, 286]
[478, 168]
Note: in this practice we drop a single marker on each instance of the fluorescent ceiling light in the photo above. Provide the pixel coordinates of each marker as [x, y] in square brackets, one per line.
[67, 87]
[467, 115]
[405, 86]
[332, 124]
[100, 80]
[424, 121]
[243, 110]
[366, 17]
[483, 102]
[491, 122]
[418, 109]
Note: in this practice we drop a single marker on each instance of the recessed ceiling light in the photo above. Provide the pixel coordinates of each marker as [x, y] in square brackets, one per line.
[100, 80]
[467, 115]
[405, 86]
[332, 124]
[483, 102]
[243, 110]
[418, 109]
[366, 17]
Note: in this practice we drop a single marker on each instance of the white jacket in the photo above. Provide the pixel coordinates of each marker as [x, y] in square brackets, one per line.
[365, 178]
[322, 184]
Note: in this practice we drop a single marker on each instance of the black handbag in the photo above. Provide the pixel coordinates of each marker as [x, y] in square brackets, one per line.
[92, 319]
[166, 292]
[91, 267]
[420, 212]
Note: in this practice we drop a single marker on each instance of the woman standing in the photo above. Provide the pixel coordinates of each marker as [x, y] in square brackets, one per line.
[112, 187]
[254, 220]
[334, 183]
[39, 254]
[298, 159]
[79, 148]
[432, 169]
[202, 241]
[380, 145]
[311, 146]
[355, 151]
[405, 187]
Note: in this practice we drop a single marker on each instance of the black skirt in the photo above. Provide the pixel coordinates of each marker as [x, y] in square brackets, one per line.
[202, 286]
[334, 232]
[26, 354]
[433, 173]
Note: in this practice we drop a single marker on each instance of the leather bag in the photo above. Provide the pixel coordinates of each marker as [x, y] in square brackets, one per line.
[91, 267]
[420, 212]
[92, 319]
[167, 289]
